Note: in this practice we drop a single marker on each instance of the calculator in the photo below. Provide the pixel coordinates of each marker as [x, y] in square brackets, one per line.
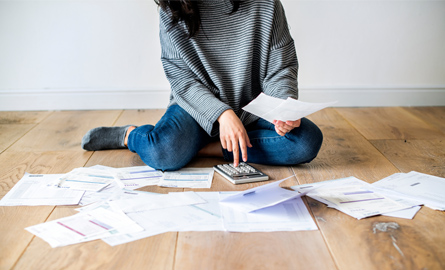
[244, 173]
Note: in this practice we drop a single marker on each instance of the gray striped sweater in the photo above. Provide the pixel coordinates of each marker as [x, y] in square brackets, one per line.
[231, 61]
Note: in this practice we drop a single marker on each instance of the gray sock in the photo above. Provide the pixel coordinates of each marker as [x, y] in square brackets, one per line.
[102, 138]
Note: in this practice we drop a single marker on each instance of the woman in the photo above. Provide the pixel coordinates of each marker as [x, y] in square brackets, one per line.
[218, 55]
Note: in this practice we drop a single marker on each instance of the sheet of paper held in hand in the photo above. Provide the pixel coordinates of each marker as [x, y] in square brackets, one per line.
[271, 108]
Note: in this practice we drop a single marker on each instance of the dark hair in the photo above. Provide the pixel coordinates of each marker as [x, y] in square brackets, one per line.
[188, 12]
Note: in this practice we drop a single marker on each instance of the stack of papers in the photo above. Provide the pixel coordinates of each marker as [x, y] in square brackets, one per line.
[271, 108]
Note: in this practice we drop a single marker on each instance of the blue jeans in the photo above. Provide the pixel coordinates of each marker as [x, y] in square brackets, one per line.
[177, 138]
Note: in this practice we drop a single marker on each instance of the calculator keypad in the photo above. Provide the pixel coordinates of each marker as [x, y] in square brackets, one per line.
[243, 173]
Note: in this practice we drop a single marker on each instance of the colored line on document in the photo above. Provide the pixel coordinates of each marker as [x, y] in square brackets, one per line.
[363, 200]
[100, 224]
[89, 182]
[147, 177]
[69, 228]
[358, 192]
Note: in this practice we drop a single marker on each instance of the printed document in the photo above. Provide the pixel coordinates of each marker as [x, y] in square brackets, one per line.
[353, 197]
[427, 189]
[86, 179]
[85, 226]
[160, 221]
[188, 178]
[211, 207]
[151, 201]
[290, 215]
[271, 108]
[137, 177]
[37, 189]
[260, 197]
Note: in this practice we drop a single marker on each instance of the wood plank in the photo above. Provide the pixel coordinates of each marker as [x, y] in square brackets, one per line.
[13, 125]
[63, 130]
[140, 117]
[10, 133]
[19, 118]
[14, 239]
[344, 153]
[434, 116]
[405, 244]
[415, 155]
[275, 250]
[389, 123]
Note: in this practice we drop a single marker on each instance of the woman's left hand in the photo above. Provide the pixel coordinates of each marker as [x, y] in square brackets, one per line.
[284, 127]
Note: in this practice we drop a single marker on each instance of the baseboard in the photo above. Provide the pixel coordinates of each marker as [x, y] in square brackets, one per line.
[104, 99]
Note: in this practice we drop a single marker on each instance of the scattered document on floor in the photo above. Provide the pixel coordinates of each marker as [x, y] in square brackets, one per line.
[137, 177]
[290, 215]
[152, 201]
[101, 195]
[37, 189]
[408, 213]
[86, 179]
[212, 207]
[188, 178]
[160, 221]
[353, 197]
[425, 188]
[85, 226]
[271, 108]
[260, 197]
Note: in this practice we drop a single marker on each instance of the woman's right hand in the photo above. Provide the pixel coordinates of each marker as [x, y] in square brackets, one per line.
[233, 135]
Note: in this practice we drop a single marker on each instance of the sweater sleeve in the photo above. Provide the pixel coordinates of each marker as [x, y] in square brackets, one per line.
[187, 89]
[281, 80]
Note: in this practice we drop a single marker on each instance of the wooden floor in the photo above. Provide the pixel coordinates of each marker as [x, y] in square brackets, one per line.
[368, 143]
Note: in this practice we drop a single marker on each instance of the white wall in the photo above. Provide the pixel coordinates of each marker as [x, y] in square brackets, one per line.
[104, 54]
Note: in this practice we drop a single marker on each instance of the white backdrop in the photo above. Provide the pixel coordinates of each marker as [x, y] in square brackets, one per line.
[105, 54]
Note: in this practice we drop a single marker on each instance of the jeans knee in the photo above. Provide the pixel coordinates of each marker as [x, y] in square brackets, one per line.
[312, 142]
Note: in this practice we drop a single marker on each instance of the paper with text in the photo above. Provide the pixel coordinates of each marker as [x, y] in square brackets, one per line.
[37, 189]
[188, 178]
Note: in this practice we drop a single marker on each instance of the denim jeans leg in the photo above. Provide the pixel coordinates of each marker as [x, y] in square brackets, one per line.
[301, 145]
[171, 143]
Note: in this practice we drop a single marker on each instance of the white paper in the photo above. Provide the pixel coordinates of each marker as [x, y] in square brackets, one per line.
[86, 179]
[188, 178]
[291, 215]
[160, 221]
[211, 207]
[408, 213]
[353, 197]
[102, 195]
[271, 108]
[137, 177]
[83, 227]
[260, 197]
[37, 189]
[158, 201]
[425, 188]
